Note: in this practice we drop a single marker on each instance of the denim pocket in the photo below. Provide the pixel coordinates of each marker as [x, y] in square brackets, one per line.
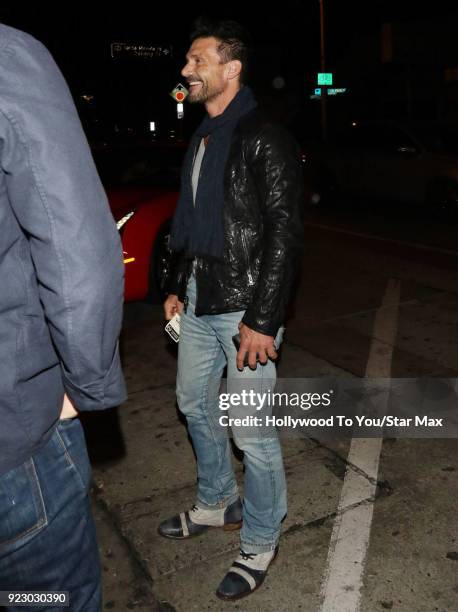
[22, 509]
[71, 437]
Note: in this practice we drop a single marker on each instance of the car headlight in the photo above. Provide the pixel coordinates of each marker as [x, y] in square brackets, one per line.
[121, 223]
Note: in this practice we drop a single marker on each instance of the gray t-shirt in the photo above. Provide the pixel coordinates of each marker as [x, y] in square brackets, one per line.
[196, 168]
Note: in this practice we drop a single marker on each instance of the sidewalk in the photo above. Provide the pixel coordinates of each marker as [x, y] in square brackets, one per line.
[144, 471]
[150, 474]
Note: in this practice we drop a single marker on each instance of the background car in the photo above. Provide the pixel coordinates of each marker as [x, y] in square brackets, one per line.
[414, 163]
[142, 183]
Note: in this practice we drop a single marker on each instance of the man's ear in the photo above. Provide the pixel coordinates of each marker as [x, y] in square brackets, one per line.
[235, 68]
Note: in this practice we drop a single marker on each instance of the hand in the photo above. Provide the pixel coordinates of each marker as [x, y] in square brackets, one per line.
[254, 343]
[172, 306]
[68, 410]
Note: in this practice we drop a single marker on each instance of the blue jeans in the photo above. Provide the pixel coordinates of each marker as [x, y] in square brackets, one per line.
[205, 348]
[47, 534]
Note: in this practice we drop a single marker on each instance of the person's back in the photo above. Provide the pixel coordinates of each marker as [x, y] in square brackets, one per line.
[61, 291]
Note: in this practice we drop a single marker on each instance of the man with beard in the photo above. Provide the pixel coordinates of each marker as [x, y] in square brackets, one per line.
[238, 231]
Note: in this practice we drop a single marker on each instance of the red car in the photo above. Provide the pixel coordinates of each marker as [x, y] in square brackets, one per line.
[142, 184]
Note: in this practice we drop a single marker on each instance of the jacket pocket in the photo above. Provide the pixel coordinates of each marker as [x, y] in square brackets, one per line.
[22, 509]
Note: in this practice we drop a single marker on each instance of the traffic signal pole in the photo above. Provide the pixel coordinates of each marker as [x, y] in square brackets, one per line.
[324, 118]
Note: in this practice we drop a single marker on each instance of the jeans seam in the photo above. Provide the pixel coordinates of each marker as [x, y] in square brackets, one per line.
[224, 503]
[69, 458]
[269, 460]
[265, 547]
[204, 398]
[267, 454]
[43, 521]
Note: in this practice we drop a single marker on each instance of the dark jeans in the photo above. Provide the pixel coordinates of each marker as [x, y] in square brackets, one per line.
[47, 533]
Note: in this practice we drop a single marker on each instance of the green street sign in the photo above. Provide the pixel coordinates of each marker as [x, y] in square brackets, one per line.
[334, 92]
[325, 78]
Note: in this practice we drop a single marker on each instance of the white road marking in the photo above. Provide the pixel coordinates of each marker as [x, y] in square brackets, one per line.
[415, 245]
[343, 579]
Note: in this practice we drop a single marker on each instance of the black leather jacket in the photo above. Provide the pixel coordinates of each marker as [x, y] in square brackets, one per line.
[263, 224]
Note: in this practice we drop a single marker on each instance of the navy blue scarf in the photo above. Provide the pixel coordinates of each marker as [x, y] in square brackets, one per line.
[198, 229]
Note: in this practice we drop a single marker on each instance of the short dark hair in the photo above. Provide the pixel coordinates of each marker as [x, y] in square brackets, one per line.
[235, 40]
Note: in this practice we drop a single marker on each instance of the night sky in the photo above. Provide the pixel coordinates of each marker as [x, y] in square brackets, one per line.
[79, 38]
[78, 35]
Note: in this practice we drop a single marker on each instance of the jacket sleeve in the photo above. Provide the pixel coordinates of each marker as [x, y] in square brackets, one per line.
[59, 202]
[178, 274]
[276, 168]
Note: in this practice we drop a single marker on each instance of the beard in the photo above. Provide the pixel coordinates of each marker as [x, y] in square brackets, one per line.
[206, 93]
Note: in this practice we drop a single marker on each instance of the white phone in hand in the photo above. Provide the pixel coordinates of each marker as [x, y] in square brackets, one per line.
[173, 328]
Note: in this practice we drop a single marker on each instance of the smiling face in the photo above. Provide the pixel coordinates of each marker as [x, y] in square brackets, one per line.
[208, 77]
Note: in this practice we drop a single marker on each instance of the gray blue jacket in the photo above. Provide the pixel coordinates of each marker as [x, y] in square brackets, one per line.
[61, 267]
